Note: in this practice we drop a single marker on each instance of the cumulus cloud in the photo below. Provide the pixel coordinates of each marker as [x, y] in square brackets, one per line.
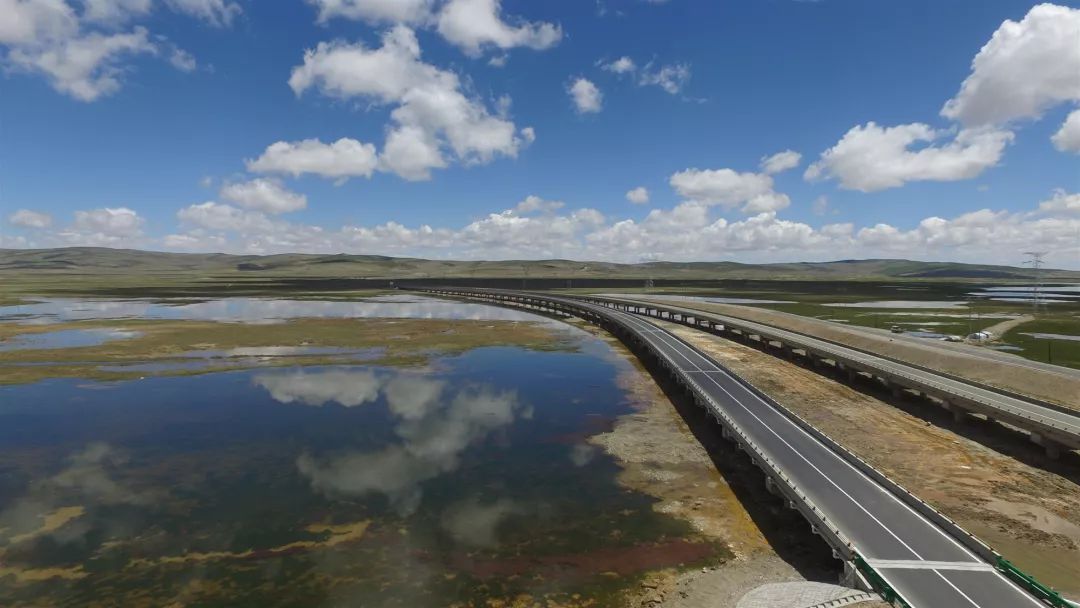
[474, 25]
[533, 204]
[730, 189]
[30, 219]
[1025, 68]
[339, 160]
[265, 195]
[86, 67]
[374, 11]
[870, 157]
[212, 215]
[1061, 203]
[106, 227]
[586, 96]
[1067, 138]
[780, 162]
[638, 196]
[82, 54]
[690, 231]
[432, 116]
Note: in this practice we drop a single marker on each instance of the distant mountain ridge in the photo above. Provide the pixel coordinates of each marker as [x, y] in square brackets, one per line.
[99, 260]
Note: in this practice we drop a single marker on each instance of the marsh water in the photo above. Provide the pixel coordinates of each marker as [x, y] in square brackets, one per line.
[465, 481]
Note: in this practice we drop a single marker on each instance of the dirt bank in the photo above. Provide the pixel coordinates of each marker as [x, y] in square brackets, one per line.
[1059, 385]
[670, 450]
[992, 484]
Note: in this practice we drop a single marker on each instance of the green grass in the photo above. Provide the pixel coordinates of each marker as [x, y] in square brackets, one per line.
[1058, 352]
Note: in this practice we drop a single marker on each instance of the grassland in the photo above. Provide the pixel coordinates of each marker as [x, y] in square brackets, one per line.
[392, 342]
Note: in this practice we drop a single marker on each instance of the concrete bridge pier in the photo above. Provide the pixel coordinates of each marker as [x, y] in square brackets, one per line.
[1053, 448]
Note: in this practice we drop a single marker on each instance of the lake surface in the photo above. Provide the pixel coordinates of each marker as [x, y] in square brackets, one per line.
[467, 481]
[256, 310]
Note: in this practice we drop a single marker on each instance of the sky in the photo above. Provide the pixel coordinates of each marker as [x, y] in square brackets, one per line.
[622, 130]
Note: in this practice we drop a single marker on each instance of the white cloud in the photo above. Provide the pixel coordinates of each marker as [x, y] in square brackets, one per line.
[870, 157]
[106, 227]
[432, 115]
[218, 217]
[587, 98]
[1067, 138]
[375, 11]
[339, 160]
[1062, 204]
[27, 22]
[182, 60]
[533, 204]
[218, 13]
[30, 219]
[622, 65]
[265, 195]
[688, 232]
[474, 25]
[672, 78]
[638, 196]
[780, 162]
[85, 67]
[115, 12]
[1024, 69]
[754, 191]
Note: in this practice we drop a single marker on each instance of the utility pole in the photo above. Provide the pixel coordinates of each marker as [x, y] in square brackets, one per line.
[1035, 260]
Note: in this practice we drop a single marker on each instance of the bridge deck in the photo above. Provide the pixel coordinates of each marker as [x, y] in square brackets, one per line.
[930, 567]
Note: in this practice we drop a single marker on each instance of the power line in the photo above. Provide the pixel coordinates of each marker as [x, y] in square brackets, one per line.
[1036, 262]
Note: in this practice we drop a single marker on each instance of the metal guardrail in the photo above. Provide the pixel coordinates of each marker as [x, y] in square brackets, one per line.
[787, 486]
[866, 360]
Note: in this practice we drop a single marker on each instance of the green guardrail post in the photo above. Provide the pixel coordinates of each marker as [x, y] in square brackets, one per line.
[879, 584]
[1033, 586]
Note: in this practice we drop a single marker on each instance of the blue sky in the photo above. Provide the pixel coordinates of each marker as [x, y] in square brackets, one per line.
[514, 129]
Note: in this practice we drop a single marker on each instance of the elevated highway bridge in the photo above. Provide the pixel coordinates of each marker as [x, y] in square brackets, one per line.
[888, 539]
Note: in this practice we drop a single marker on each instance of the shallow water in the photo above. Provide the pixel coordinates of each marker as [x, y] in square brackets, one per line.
[716, 299]
[1041, 336]
[256, 310]
[940, 304]
[351, 485]
[66, 338]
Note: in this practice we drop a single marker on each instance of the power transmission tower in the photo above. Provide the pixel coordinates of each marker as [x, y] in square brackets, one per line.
[1036, 261]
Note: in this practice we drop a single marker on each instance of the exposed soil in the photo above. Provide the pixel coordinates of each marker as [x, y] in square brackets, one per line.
[670, 450]
[997, 486]
[1060, 385]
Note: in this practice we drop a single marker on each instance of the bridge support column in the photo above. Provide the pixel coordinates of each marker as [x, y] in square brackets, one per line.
[1053, 448]
[959, 414]
[852, 374]
[770, 485]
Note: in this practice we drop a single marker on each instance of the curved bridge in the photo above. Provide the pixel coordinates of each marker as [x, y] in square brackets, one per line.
[889, 540]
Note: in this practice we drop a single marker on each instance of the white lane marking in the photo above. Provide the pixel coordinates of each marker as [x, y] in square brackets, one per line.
[1002, 401]
[917, 515]
[908, 564]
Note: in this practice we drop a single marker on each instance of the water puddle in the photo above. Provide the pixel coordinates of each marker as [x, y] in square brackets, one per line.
[67, 338]
[938, 304]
